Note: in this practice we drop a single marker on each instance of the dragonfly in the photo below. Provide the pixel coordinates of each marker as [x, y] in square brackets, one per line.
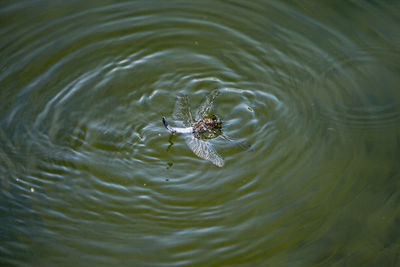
[200, 130]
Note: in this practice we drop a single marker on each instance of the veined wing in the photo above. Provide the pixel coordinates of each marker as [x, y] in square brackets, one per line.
[242, 145]
[207, 105]
[204, 150]
[182, 110]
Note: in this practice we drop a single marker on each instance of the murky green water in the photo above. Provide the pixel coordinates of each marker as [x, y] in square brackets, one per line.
[90, 176]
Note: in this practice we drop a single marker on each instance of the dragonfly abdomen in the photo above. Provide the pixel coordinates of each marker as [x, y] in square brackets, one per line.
[176, 129]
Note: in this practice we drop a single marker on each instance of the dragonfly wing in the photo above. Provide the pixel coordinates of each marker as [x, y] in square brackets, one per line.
[241, 144]
[182, 110]
[204, 150]
[207, 105]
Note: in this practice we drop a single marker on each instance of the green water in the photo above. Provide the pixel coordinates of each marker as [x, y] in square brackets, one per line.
[90, 176]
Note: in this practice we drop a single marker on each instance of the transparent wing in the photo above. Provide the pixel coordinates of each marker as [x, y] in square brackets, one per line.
[207, 105]
[241, 144]
[204, 150]
[182, 110]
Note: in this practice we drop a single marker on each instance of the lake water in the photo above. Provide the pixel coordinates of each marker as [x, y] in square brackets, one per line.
[90, 176]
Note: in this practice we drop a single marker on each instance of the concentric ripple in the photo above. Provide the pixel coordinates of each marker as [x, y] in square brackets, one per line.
[91, 176]
[368, 99]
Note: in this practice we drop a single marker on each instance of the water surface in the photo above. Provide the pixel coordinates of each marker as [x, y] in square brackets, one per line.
[89, 175]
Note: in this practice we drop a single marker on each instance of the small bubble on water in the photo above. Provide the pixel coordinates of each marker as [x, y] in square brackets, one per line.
[32, 189]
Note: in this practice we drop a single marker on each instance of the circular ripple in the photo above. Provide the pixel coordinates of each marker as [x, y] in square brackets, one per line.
[90, 111]
[92, 159]
[367, 99]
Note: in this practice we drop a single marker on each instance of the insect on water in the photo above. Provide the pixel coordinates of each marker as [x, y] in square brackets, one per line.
[202, 129]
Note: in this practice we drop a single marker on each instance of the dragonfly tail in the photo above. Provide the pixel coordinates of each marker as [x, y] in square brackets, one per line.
[164, 120]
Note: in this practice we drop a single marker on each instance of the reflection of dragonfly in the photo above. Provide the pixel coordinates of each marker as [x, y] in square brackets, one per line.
[198, 132]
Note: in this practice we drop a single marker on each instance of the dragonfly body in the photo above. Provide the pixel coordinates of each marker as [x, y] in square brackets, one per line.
[206, 128]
